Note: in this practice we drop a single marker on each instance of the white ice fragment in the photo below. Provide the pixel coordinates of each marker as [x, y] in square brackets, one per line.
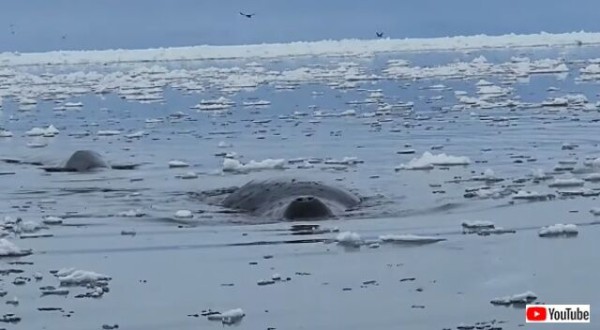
[27, 226]
[594, 177]
[37, 131]
[428, 161]
[521, 298]
[52, 220]
[410, 239]
[178, 164]
[559, 230]
[348, 239]
[133, 213]
[8, 249]
[108, 133]
[184, 214]
[5, 133]
[529, 195]
[81, 277]
[235, 166]
[344, 161]
[189, 175]
[565, 183]
[229, 317]
[135, 135]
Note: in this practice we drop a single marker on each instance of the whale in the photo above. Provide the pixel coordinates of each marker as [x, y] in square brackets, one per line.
[86, 161]
[291, 199]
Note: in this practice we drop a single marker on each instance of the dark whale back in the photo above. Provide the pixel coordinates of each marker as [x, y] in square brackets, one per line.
[273, 197]
[85, 160]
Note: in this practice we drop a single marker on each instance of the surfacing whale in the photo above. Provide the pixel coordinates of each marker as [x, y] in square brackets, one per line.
[291, 199]
[84, 161]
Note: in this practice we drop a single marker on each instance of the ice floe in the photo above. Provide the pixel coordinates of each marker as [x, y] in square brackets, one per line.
[520, 299]
[348, 47]
[235, 166]
[232, 316]
[37, 131]
[348, 238]
[74, 277]
[559, 230]
[184, 214]
[178, 164]
[410, 239]
[428, 160]
[8, 249]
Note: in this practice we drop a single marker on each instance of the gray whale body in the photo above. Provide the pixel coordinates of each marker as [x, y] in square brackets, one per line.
[291, 199]
[84, 161]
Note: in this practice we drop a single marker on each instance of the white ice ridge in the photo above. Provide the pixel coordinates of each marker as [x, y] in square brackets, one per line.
[345, 47]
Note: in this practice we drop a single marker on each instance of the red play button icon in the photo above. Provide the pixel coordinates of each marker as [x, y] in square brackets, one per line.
[536, 314]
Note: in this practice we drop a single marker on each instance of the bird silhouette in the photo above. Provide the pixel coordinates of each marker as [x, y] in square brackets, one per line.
[379, 34]
[247, 15]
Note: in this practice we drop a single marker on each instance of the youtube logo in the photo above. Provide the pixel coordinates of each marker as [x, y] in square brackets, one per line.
[536, 314]
[557, 313]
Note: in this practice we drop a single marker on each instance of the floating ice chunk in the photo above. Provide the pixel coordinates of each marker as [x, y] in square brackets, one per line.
[591, 69]
[348, 239]
[530, 196]
[220, 100]
[261, 103]
[5, 133]
[235, 166]
[483, 82]
[48, 131]
[223, 144]
[154, 120]
[488, 175]
[556, 102]
[416, 164]
[343, 161]
[52, 220]
[478, 224]
[492, 90]
[428, 160]
[229, 317]
[348, 113]
[576, 98]
[521, 298]
[108, 133]
[27, 226]
[134, 213]
[189, 175]
[37, 144]
[565, 183]
[82, 277]
[539, 174]
[64, 272]
[8, 249]
[184, 214]
[595, 211]
[559, 230]
[410, 239]
[136, 135]
[211, 107]
[178, 164]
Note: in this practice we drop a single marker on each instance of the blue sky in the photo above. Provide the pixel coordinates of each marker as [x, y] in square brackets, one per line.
[39, 25]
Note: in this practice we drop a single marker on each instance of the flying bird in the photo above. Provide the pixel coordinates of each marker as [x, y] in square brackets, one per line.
[379, 34]
[247, 15]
